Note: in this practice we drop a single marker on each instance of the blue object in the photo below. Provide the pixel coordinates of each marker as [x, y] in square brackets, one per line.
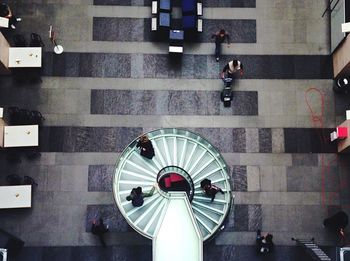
[189, 6]
[189, 22]
[164, 19]
[176, 35]
[164, 5]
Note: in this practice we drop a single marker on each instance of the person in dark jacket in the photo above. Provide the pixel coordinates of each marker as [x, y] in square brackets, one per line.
[99, 229]
[209, 189]
[337, 222]
[264, 243]
[219, 38]
[136, 196]
[6, 12]
[146, 147]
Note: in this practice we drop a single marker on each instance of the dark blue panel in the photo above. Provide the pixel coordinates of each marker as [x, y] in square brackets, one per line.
[164, 19]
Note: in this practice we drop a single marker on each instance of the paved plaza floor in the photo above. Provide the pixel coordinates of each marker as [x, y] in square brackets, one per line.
[113, 83]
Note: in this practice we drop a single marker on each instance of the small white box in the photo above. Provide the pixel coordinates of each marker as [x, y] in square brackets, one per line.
[334, 136]
[345, 28]
[154, 24]
[176, 49]
[348, 114]
[199, 9]
[1, 112]
[154, 7]
[200, 25]
[4, 22]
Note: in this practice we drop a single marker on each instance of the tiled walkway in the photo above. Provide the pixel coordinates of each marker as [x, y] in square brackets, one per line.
[112, 84]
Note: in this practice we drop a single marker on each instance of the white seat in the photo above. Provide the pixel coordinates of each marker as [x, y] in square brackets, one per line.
[154, 24]
[176, 49]
[200, 25]
[154, 7]
[199, 9]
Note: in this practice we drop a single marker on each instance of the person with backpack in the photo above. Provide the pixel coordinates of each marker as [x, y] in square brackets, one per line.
[209, 189]
[136, 196]
[264, 243]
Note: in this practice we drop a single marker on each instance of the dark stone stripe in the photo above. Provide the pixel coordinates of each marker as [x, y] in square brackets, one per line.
[110, 215]
[265, 140]
[297, 140]
[212, 252]
[115, 65]
[86, 139]
[226, 140]
[138, 29]
[244, 218]
[206, 3]
[239, 178]
[100, 177]
[171, 103]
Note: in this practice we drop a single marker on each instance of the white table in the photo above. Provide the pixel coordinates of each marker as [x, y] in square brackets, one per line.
[16, 196]
[20, 57]
[21, 136]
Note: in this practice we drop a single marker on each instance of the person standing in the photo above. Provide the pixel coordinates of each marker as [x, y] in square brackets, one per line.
[219, 37]
[5, 11]
[146, 147]
[99, 229]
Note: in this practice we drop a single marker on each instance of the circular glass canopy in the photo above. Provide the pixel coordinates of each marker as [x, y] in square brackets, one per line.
[182, 160]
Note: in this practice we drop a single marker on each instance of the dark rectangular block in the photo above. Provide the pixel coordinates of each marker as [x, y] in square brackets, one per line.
[170, 102]
[298, 140]
[265, 140]
[239, 140]
[241, 218]
[87, 139]
[110, 215]
[239, 178]
[100, 177]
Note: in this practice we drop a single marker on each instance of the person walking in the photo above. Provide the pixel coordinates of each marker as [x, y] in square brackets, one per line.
[219, 37]
[146, 147]
[232, 70]
[136, 196]
[99, 229]
[264, 243]
[209, 189]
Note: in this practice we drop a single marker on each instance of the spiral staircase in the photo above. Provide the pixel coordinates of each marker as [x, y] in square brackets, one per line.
[189, 156]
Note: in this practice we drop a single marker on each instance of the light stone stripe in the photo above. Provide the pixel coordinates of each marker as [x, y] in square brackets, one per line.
[251, 160]
[267, 48]
[145, 12]
[87, 83]
[279, 198]
[66, 118]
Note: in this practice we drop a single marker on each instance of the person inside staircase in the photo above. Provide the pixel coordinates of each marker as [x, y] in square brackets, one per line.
[337, 223]
[209, 189]
[136, 196]
[264, 243]
[146, 147]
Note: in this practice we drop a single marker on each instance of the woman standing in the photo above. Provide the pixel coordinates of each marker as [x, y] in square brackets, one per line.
[146, 147]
